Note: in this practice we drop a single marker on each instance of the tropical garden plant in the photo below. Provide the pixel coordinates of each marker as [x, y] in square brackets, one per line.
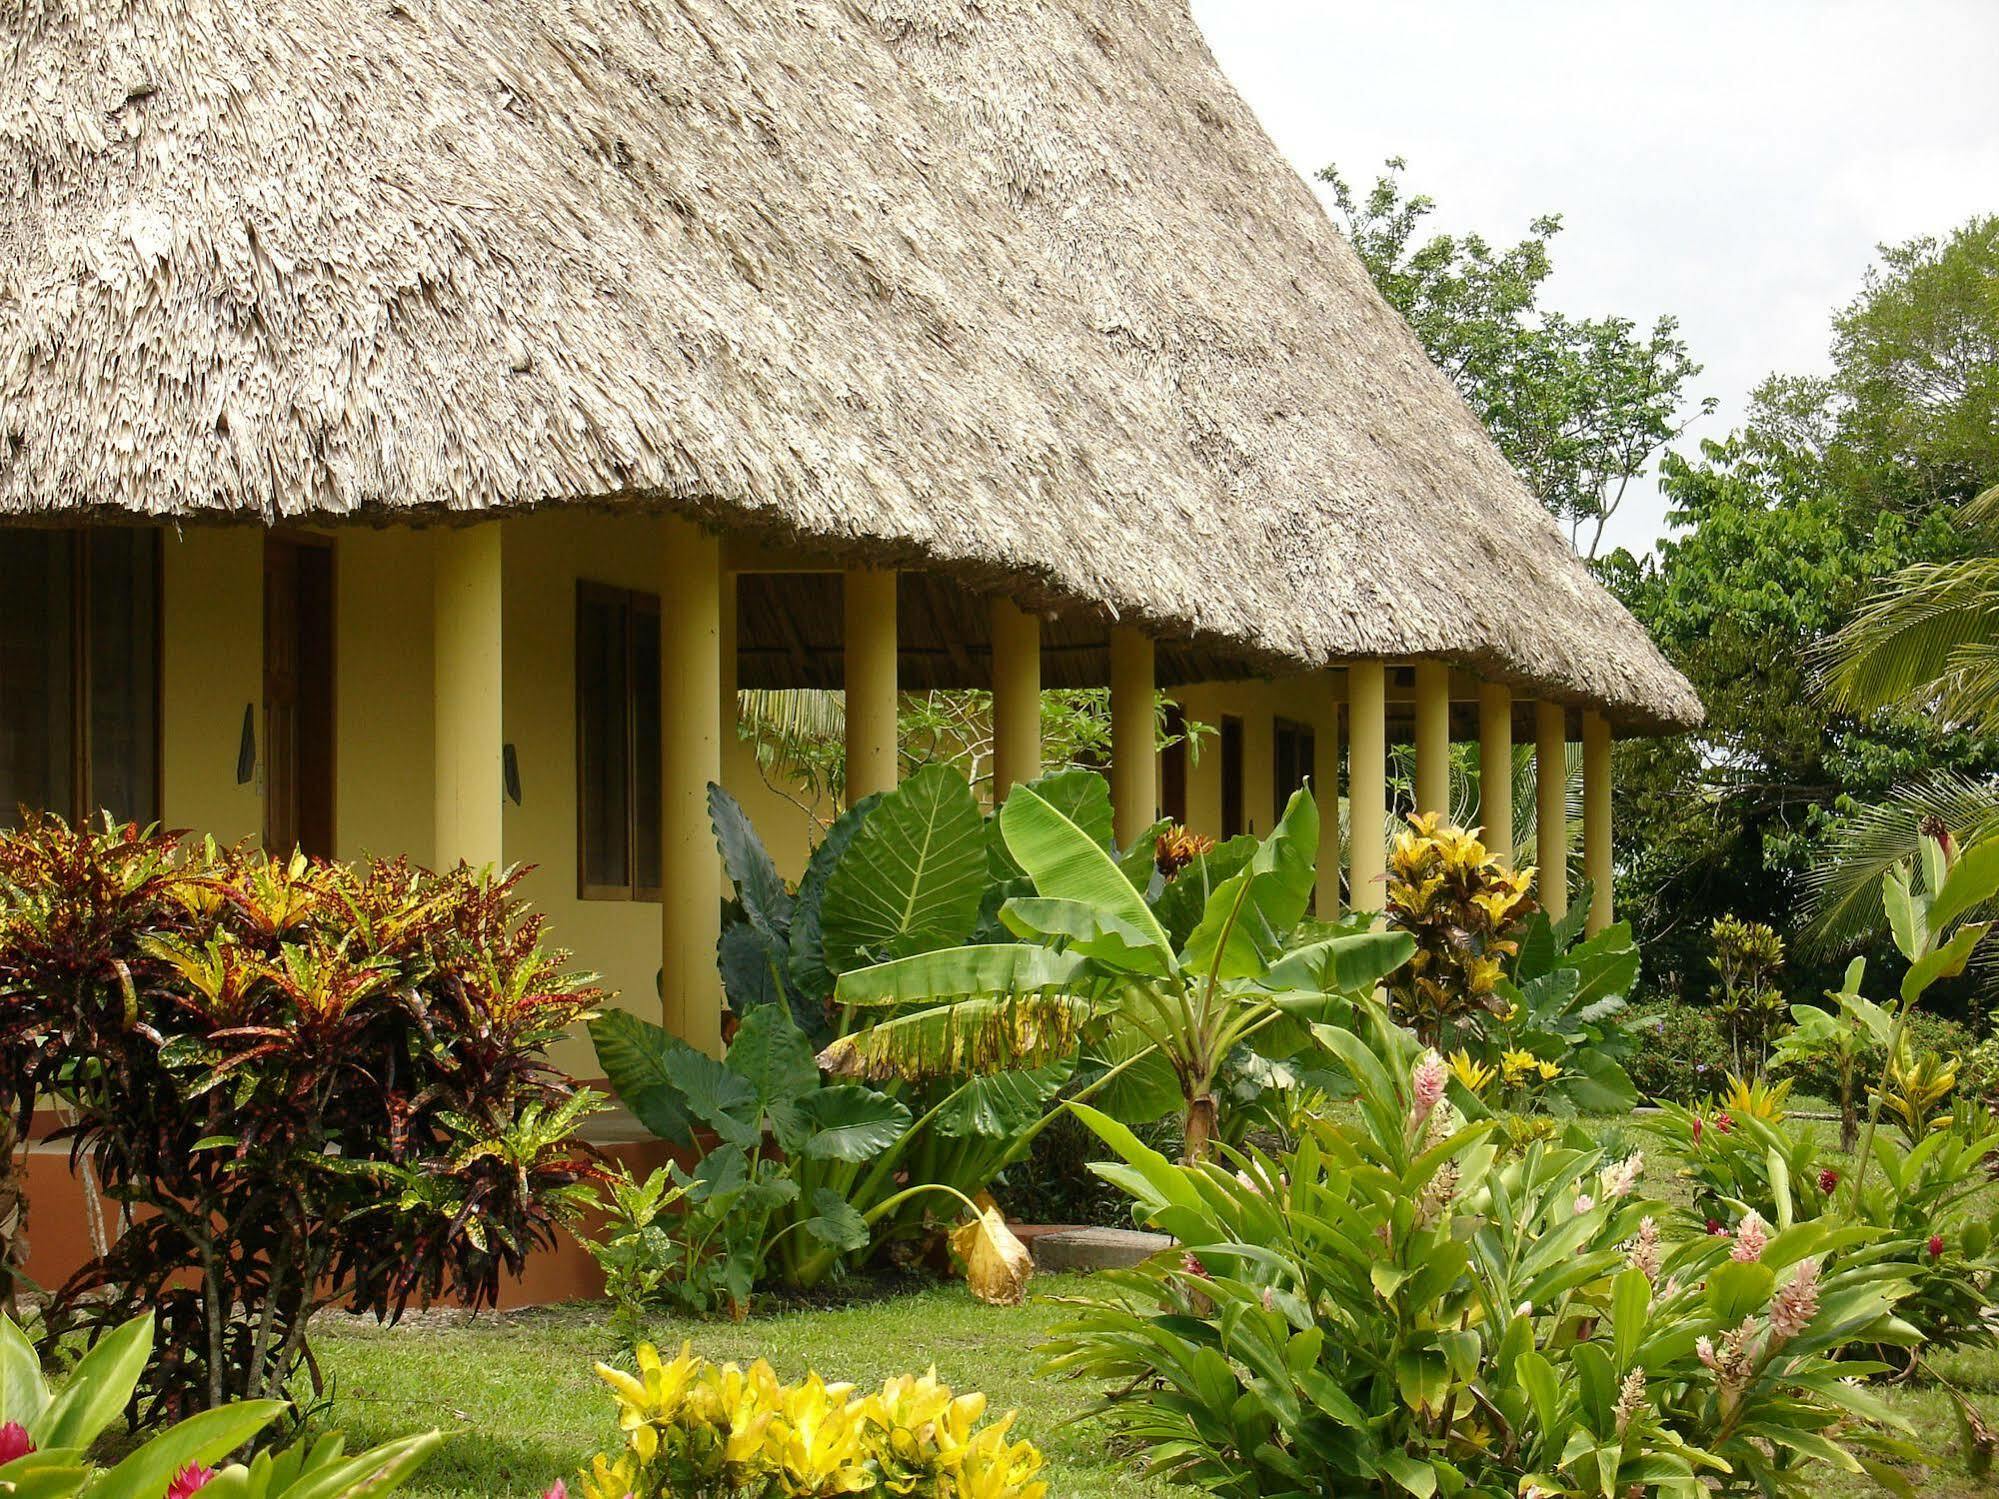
[1402, 1306]
[1748, 957]
[698, 1430]
[1183, 976]
[47, 1434]
[307, 1083]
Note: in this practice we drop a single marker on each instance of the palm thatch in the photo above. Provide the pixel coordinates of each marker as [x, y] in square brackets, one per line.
[1019, 292]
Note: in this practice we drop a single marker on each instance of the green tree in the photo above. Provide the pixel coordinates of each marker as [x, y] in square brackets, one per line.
[1579, 406]
[1786, 803]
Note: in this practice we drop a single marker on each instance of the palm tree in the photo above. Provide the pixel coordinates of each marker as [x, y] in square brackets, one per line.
[1927, 641]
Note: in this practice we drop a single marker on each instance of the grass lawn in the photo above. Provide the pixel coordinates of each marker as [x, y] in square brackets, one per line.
[518, 1393]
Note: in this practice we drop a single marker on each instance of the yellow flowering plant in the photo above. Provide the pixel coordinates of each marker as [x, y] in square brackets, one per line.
[694, 1429]
[1533, 1008]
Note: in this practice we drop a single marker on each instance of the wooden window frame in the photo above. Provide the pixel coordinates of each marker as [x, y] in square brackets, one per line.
[634, 604]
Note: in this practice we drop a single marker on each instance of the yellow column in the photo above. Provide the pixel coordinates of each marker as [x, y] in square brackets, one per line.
[1551, 806]
[1495, 767]
[466, 602]
[1367, 783]
[1134, 745]
[1596, 818]
[870, 681]
[1433, 737]
[690, 698]
[1016, 697]
[1326, 792]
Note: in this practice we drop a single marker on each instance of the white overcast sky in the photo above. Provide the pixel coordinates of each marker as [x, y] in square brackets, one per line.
[1733, 162]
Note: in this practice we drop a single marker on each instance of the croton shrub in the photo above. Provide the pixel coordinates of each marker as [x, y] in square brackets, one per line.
[306, 1082]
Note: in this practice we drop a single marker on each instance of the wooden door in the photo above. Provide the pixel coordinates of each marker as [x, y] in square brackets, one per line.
[298, 695]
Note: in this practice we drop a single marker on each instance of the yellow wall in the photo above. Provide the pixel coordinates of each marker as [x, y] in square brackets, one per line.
[1258, 703]
[211, 669]
[384, 767]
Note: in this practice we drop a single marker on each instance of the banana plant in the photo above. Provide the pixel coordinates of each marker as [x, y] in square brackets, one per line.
[1092, 952]
[1845, 1037]
[1927, 910]
[47, 1436]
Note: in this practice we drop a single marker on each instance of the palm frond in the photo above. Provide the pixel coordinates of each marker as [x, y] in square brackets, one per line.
[1927, 641]
[1843, 901]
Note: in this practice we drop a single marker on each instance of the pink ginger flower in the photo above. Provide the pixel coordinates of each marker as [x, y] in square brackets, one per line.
[1645, 1252]
[14, 1442]
[557, 1490]
[1619, 1180]
[1427, 1082]
[1704, 1351]
[1584, 1202]
[1751, 1234]
[1796, 1302]
[189, 1481]
[1630, 1399]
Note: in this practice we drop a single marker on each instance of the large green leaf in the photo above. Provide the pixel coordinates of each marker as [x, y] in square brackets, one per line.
[380, 1470]
[835, 1223]
[911, 879]
[959, 973]
[1082, 796]
[1606, 965]
[809, 973]
[758, 884]
[1145, 1090]
[1001, 1105]
[1247, 918]
[771, 1061]
[1087, 930]
[24, 1394]
[1972, 881]
[201, 1440]
[847, 1122]
[1945, 962]
[752, 964]
[1065, 863]
[969, 1036]
[1342, 965]
[714, 1093]
[632, 1053]
[99, 1388]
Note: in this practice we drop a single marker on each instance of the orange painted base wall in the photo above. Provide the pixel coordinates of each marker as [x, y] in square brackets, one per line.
[59, 1234]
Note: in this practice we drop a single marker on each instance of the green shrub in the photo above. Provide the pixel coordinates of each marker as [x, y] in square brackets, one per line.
[311, 1083]
[1930, 1207]
[1398, 1307]
[1682, 1054]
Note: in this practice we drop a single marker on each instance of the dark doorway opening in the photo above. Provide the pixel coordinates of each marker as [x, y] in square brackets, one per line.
[298, 695]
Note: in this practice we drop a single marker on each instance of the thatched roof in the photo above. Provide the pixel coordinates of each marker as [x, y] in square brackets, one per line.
[1017, 290]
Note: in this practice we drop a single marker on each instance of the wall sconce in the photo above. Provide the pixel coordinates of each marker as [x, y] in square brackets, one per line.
[510, 773]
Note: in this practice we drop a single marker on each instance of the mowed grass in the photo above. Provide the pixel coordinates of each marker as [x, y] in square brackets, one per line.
[517, 1395]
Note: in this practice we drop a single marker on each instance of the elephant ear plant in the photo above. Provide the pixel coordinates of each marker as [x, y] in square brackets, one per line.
[1092, 953]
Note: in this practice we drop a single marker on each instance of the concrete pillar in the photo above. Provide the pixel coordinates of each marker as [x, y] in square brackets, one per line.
[1367, 783]
[1326, 792]
[467, 600]
[690, 698]
[1551, 806]
[870, 681]
[1596, 818]
[1134, 742]
[1433, 737]
[1016, 697]
[1495, 768]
